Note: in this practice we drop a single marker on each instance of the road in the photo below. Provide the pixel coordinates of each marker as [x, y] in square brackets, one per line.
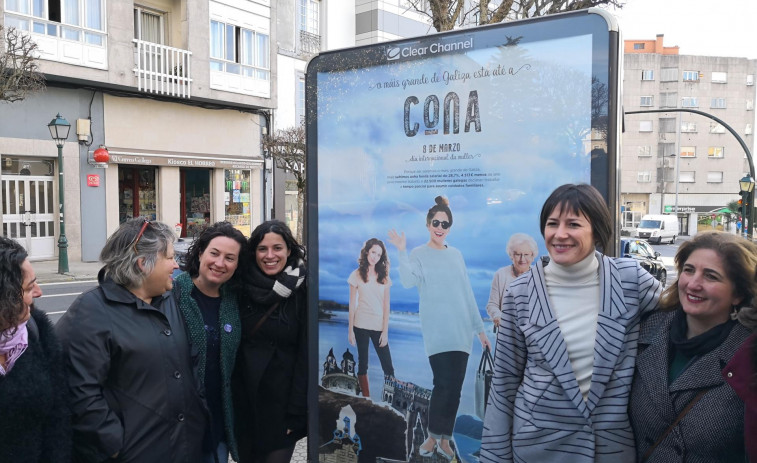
[667, 255]
[57, 297]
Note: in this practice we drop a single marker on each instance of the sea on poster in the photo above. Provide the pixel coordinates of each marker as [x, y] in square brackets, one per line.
[493, 130]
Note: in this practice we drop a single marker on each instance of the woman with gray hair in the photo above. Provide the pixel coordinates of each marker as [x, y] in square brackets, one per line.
[127, 352]
[522, 250]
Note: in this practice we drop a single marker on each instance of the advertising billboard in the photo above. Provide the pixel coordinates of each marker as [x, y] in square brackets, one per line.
[425, 156]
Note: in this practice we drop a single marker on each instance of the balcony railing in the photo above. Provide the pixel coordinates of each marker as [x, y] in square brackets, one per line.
[162, 69]
[310, 44]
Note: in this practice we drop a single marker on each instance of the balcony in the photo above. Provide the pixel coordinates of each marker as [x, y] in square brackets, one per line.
[310, 44]
[162, 69]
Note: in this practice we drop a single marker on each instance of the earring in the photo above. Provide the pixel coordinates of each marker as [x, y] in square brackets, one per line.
[734, 312]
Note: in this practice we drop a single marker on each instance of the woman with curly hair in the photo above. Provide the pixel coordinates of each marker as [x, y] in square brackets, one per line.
[34, 416]
[369, 309]
[270, 379]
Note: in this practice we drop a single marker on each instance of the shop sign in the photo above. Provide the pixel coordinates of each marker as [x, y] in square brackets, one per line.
[93, 180]
[152, 160]
[690, 209]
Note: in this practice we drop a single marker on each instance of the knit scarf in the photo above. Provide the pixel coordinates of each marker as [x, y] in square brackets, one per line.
[701, 344]
[264, 291]
[12, 346]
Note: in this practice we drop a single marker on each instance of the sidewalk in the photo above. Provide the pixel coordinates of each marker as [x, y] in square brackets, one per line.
[47, 271]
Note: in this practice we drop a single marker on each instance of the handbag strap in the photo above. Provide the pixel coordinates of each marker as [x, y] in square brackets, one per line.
[678, 419]
[263, 319]
[486, 361]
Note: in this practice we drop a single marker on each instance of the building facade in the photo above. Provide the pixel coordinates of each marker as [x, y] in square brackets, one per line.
[180, 92]
[683, 159]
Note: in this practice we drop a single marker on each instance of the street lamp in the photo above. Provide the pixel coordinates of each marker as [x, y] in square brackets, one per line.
[747, 185]
[59, 128]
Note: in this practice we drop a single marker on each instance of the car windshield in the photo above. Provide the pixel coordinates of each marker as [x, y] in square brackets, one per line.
[649, 224]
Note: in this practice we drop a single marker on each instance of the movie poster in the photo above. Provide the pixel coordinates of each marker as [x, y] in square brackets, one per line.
[491, 121]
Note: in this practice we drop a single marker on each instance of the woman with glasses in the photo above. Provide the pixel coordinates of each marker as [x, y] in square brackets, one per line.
[208, 295]
[566, 344]
[449, 320]
[522, 250]
[129, 358]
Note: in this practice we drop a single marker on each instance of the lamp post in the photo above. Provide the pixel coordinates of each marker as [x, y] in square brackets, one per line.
[747, 185]
[59, 128]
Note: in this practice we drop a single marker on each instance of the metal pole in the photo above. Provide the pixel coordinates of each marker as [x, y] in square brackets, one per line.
[678, 160]
[62, 241]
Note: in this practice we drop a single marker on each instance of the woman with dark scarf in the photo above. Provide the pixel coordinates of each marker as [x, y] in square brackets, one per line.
[270, 379]
[681, 407]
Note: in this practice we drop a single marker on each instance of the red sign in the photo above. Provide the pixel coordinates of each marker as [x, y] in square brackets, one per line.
[93, 180]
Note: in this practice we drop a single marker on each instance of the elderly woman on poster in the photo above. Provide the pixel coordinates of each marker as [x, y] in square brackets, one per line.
[522, 250]
[449, 320]
[566, 344]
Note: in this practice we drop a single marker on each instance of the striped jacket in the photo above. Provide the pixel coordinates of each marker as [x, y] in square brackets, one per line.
[536, 412]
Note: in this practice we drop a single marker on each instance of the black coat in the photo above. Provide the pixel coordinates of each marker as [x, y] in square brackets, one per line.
[270, 379]
[131, 377]
[34, 416]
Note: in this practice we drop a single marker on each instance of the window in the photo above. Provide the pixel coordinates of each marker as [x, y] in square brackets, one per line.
[690, 76]
[689, 102]
[644, 177]
[645, 126]
[750, 79]
[300, 97]
[645, 151]
[689, 127]
[750, 105]
[75, 20]
[719, 78]
[647, 101]
[714, 177]
[717, 103]
[647, 74]
[716, 128]
[666, 149]
[669, 100]
[748, 129]
[686, 176]
[715, 152]
[237, 50]
[669, 75]
[148, 25]
[638, 46]
[309, 10]
[667, 125]
[688, 151]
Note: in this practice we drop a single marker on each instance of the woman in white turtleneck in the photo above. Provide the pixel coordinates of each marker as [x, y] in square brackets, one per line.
[566, 345]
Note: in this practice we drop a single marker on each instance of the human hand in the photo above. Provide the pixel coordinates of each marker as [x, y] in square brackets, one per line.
[496, 321]
[384, 339]
[484, 341]
[398, 240]
[351, 337]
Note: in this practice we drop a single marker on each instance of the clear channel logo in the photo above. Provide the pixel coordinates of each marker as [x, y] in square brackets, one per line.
[397, 52]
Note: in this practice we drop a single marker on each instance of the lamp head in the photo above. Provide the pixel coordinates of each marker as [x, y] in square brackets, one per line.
[59, 128]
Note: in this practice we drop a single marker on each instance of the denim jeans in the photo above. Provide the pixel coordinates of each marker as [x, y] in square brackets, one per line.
[385, 357]
[449, 374]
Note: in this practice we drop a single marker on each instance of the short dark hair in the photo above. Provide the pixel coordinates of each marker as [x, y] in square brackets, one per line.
[441, 205]
[739, 263]
[224, 229]
[297, 253]
[581, 199]
[12, 257]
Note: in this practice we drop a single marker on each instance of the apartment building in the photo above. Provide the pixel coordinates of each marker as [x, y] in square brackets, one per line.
[681, 158]
[179, 91]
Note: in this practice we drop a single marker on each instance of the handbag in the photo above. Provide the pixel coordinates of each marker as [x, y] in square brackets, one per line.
[483, 383]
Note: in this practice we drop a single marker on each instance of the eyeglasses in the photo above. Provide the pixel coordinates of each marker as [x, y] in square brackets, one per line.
[435, 223]
[139, 235]
[519, 256]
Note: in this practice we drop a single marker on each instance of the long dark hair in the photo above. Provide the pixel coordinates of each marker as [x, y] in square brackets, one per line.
[297, 253]
[12, 257]
[382, 266]
[222, 229]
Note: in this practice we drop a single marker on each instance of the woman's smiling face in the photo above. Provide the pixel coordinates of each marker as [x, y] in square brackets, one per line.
[568, 235]
[438, 234]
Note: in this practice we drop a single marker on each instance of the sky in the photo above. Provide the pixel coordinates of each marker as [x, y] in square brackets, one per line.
[698, 27]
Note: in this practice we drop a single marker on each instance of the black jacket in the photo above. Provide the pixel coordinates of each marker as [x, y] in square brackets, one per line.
[34, 416]
[131, 377]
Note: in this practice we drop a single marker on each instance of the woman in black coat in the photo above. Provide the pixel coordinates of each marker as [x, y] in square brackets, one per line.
[34, 417]
[270, 379]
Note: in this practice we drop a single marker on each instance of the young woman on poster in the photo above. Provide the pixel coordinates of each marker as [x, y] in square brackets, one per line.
[522, 250]
[566, 344]
[270, 381]
[369, 309]
[449, 320]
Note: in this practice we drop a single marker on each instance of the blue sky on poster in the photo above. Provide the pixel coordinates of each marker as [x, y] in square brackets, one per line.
[362, 143]
[698, 27]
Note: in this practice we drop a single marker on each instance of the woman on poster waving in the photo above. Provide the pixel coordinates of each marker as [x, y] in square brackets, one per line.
[449, 320]
[369, 309]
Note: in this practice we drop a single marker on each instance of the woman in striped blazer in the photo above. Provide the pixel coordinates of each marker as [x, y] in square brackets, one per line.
[566, 346]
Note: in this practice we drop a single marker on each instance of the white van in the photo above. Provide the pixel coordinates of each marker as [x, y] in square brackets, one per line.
[658, 227]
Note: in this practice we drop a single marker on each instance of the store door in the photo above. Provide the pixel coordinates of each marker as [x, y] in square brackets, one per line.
[28, 213]
[195, 201]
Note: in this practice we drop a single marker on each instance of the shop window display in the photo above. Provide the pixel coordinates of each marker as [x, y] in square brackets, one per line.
[237, 199]
[136, 193]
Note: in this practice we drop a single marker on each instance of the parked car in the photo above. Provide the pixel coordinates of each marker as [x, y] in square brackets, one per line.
[640, 250]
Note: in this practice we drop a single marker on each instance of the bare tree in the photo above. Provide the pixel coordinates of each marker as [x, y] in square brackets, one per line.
[19, 76]
[287, 149]
[445, 15]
